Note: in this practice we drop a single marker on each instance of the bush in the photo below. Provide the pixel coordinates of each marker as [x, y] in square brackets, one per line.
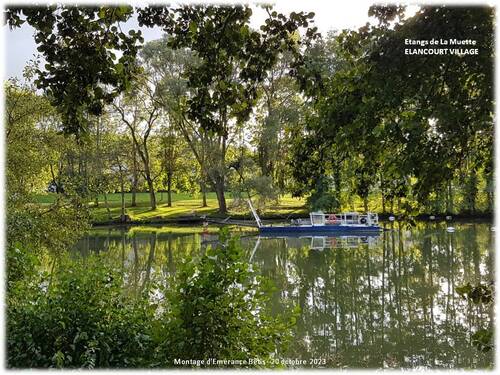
[80, 318]
[21, 264]
[218, 309]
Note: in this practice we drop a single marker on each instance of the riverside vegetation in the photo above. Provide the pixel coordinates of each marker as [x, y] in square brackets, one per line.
[215, 307]
[211, 114]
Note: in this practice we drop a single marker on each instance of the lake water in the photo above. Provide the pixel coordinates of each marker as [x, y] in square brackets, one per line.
[366, 302]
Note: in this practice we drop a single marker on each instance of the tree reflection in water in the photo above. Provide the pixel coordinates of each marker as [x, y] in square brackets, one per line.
[365, 304]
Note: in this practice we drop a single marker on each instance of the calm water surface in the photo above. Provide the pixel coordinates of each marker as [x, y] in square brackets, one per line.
[367, 302]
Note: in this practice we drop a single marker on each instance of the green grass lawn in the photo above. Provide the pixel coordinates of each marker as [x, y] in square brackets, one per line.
[115, 198]
[182, 205]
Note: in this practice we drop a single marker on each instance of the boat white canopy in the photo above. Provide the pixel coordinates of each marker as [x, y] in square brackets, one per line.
[346, 218]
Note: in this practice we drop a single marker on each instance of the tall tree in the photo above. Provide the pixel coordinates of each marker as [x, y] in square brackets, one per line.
[30, 226]
[422, 123]
[231, 60]
[447, 99]
[279, 108]
[172, 150]
[139, 111]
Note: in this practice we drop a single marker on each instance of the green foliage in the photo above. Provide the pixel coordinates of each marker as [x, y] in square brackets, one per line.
[82, 72]
[470, 191]
[52, 228]
[279, 108]
[21, 264]
[29, 145]
[219, 308]
[266, 192]
[218, 96]
[80, 85]
[401, 139]
[79, 315]
[77, 318]
[413, 124]
[25, 159]
[323, 198]
[210, 67]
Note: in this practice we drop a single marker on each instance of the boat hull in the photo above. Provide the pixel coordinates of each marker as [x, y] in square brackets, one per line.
[320, 229]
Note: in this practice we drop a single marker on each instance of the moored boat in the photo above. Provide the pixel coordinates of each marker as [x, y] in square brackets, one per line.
[319, 222]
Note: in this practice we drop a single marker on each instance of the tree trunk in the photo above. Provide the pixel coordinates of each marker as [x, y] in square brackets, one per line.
[134, 176]
[203, 193]
[365, 204]
[99, 168]
[152, 197]
[107, 206]
[58, 189]
[204, 198]
[169, 189]
[134, 200]
[219, 191]
[122, 188]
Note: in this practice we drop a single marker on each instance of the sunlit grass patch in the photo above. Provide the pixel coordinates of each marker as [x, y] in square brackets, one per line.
[182, 205]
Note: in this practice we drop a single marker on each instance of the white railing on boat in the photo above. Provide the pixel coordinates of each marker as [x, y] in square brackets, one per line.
[346, 218]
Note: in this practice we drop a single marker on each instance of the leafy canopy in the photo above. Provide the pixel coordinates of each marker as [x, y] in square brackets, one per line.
[83, 73]
[402, 115]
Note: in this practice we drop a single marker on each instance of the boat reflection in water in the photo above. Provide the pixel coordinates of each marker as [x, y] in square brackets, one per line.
[320, 243]
[342, 242]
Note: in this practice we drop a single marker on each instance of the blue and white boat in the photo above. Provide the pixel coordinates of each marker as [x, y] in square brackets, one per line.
[321, 223]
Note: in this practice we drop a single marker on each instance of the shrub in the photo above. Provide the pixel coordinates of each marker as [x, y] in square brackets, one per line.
[218, 309]
[80, 318]
[21, 263]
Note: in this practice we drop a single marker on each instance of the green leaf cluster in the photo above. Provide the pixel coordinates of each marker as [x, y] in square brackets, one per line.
[77, 318]
[82, 72]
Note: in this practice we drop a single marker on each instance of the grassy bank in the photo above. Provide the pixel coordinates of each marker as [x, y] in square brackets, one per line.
[186, 205]
[182, 205]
